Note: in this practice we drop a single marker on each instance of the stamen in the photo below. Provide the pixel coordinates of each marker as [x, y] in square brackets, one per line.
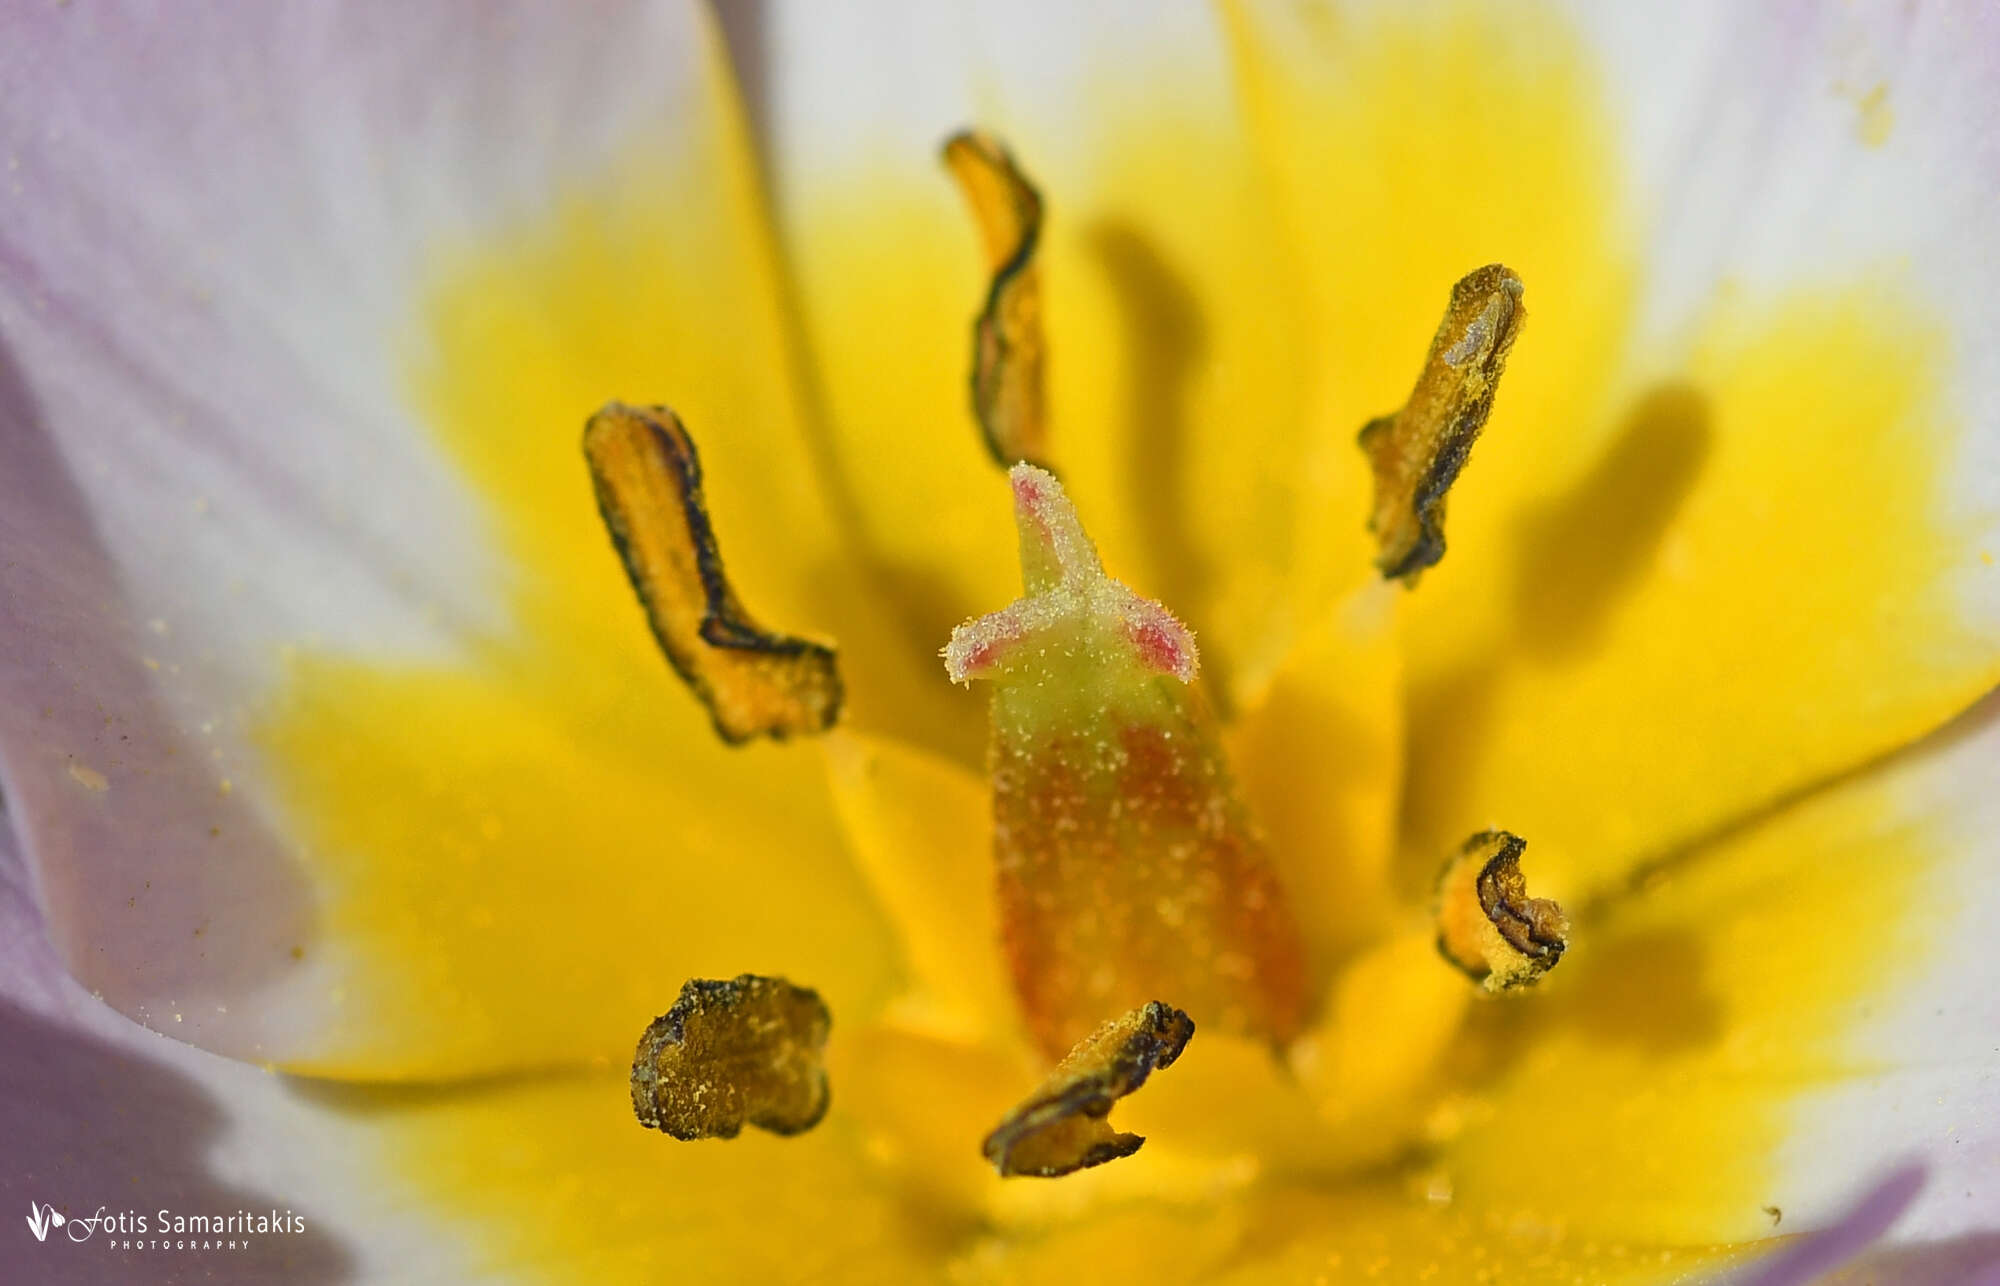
[1128, 865]
[1487, 924]
[748, 1049]
[1418, 451]
[1007, 392]
[1063, 1127]
[754, 683]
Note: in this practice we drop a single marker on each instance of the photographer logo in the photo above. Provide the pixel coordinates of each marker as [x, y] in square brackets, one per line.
[163, 1229]
[43, 1218]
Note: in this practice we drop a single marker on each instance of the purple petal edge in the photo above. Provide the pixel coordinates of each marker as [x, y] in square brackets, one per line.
[1860, 1227]
[96, 1111]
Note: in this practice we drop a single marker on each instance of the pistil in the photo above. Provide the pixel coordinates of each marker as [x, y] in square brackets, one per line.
[1128, 866]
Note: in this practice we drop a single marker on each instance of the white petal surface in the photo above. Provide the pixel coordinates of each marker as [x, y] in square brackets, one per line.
[99, 1112]
[220, 230]
[1926, 1050]
[1775, 147]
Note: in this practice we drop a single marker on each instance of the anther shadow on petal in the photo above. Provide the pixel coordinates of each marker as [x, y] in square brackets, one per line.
[1647, 992]
[1342, 905]
[1164, 342]
[1583, 553]
[1576, 559]
[894, 641]
[88, 1125]
[1450, 718]
[156, 881]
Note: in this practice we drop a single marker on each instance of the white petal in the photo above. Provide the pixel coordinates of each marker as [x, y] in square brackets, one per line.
[1773, 148]
[213, 272]
[223, 237]
[1776, 147]
[1924, 1049]
[102, 1114]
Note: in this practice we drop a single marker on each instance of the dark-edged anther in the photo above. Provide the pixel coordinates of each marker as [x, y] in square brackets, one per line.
[1007, 351]
[1418, 451]
[1063, 1126]
[1487, 924]
[748, 1049]
[754, 683]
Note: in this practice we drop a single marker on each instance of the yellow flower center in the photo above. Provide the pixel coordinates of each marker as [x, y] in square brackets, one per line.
[506, 826]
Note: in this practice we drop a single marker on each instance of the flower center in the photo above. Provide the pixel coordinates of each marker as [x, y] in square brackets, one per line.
[1136, 895]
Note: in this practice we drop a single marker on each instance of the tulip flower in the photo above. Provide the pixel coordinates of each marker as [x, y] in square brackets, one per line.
[1565, 855]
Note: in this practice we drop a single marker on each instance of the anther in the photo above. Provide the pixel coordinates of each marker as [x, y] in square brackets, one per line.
[1062, 1127]
[1487, 924]
[1007, 391]
[748, 1049]
[648, 481]
[1418, 451]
